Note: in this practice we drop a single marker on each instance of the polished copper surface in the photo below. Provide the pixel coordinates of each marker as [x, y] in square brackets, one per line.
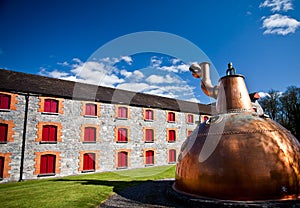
[233, 95]
[239, 154]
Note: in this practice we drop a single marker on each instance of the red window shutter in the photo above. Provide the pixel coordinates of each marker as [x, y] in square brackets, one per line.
[149, 115]
[149, 135]
[45, 133]
[171, 116]
[49, 133]
[47, 105]
[4, 101]
[122, 159]
[172, 135]
[90, 134]
[52, 133]
[172, 155]
[54, 106]
[189, 133]
[122, 135]
[122, 112]
[1, 166]
[50, 106]
[90, 109]
[3, 132]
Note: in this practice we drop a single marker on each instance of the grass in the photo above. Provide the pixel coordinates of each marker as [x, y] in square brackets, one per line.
[86, 190]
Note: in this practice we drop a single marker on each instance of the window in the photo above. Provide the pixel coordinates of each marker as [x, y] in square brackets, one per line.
[149, 157]
[51, 106]
[171, 117]
[149, 135]
[49, 133]
[122, 135]
[89, 162]
[149, 115]
[189, 132]
[4, 101]
[3, 133]
[89, 134]
[122, 112]
[1, 167]
[190, 118]
[47, 165]
[90, 109]
[122, 159]
[172, 156]
[171, 135]
[205, 118]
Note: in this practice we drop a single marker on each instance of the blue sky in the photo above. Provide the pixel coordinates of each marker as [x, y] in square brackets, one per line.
[67, 39]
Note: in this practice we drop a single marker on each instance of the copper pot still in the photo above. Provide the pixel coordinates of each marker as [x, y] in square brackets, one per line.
[238, 154]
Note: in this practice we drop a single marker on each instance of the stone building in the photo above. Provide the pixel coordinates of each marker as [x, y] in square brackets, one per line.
[51, 127]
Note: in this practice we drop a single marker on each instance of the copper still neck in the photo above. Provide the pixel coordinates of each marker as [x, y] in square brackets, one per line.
[233, 95]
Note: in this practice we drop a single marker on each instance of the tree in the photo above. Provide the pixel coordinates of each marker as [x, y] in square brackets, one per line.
[270, 104]
[284, 108]
[290, 107]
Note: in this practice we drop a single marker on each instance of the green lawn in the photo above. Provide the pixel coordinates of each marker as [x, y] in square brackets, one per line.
[86, 190]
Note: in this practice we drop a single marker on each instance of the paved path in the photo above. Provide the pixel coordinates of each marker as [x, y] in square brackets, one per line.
[159, 194]
[149, 195]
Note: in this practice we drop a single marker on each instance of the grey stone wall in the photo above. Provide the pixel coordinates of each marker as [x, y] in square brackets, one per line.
[71, 145]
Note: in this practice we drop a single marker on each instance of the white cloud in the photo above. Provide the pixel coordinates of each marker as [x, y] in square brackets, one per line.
[155, 61]
[138, 75]
[278, 5]
[63, 63]
[135, 87]
[77, 60]
[157, 79]
[127, 59]
[175, 61]
[279, 24]
[125, 73]
[174, 68]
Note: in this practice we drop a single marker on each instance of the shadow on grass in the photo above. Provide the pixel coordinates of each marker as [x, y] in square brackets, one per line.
[132, 193]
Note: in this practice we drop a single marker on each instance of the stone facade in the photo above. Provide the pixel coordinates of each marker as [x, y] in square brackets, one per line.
[69, 148]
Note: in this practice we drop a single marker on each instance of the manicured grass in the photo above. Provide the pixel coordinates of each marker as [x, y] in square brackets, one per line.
[86, 190]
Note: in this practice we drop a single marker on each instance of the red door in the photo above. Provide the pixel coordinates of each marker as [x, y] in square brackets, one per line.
[150, 157]
[172, 156]
[122, 159]
[47, 164]
[1, 166]
[89, 161]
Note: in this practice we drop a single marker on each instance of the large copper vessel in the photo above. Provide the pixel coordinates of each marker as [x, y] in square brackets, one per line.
[238, 154]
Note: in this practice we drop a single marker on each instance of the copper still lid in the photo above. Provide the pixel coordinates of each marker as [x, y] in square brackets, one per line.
[239, 154]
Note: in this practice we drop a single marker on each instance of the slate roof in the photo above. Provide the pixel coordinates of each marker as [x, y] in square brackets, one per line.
[44, 86]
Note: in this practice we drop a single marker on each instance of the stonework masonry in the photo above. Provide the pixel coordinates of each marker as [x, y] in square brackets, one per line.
[69, 147]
